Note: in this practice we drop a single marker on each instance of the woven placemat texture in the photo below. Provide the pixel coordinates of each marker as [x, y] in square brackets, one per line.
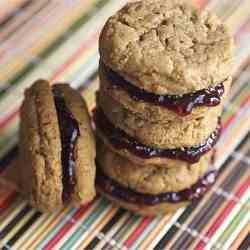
[58, 40]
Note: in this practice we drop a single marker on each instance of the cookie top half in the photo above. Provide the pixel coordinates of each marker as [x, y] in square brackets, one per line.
[167, 47]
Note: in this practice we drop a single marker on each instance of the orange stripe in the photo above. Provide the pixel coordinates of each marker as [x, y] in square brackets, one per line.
[48, 227]
[147, 242]
[241, 236]
[92, 234]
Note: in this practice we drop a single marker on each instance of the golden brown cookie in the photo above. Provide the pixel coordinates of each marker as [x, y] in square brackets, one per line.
[150, 179]
[57, 147]
[180, 132]
[167, 47]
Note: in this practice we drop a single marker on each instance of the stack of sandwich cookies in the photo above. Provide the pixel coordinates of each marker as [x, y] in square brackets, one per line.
[164, 75]
[57, 147]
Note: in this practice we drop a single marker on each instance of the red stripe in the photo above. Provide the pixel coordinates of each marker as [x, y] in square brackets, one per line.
[59, 71]
[136, 233]
[8, 118]
[66, 227]
[244, 28]
[6, 202]
[201, 3]
[75, 56]
[224, 213]
[240, 108]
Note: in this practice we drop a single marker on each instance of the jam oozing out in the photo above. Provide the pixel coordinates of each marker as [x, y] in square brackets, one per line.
[69, 131]
[120, 140]
[116, 190]
[182, 105]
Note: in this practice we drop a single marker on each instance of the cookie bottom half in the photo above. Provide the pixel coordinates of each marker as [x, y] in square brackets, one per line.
[144, 210]
[147, 204]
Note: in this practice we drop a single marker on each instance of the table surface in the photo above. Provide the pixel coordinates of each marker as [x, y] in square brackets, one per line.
[58, 40]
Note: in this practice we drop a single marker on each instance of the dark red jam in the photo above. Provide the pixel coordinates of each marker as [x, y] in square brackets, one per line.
[69, 131]
[182, 105]
[194, 192]
[120, 140]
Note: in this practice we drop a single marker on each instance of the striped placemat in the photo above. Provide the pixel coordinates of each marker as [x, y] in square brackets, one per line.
[58, 40]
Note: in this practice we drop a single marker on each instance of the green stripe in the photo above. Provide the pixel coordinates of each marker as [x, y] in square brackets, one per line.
[135, 220]
[121, 229]
[234, 224]
[57, 43]
[68, 214]
[86, 224]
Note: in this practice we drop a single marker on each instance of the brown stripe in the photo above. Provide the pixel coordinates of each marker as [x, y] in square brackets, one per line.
[34, 9]
[12, 14]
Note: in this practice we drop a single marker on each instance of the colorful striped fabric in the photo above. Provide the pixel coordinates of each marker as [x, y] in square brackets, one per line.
[58, 40]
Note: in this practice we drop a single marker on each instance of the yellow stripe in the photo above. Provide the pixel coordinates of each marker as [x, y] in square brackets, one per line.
[146, 243]
[19, 224]
[10, 215]
[239, 16]
[96, 227]
[48, 223]
[241, 236]
[44, 226]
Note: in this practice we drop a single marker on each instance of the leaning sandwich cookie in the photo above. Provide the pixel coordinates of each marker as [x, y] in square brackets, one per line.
[57, 147]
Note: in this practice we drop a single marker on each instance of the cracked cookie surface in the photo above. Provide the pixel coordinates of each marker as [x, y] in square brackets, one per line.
[167, 47]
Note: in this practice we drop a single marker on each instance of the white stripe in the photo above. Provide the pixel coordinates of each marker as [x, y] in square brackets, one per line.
[114, 229]
[221, 158]
[19, 206]
[164, 230]
[241, 157]
[237, 230]
[228, 196]
[226, 222]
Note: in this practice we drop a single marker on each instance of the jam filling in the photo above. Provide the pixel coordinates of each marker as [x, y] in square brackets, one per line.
[69, 132]
[182, 105]
[120, 140]
[194, 192]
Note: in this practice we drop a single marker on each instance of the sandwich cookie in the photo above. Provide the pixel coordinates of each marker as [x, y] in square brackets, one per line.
[162, 108]
[177, 133]
[57, 147]
[119, 180]
[146, 204]
[150, 179]
[120, 142]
